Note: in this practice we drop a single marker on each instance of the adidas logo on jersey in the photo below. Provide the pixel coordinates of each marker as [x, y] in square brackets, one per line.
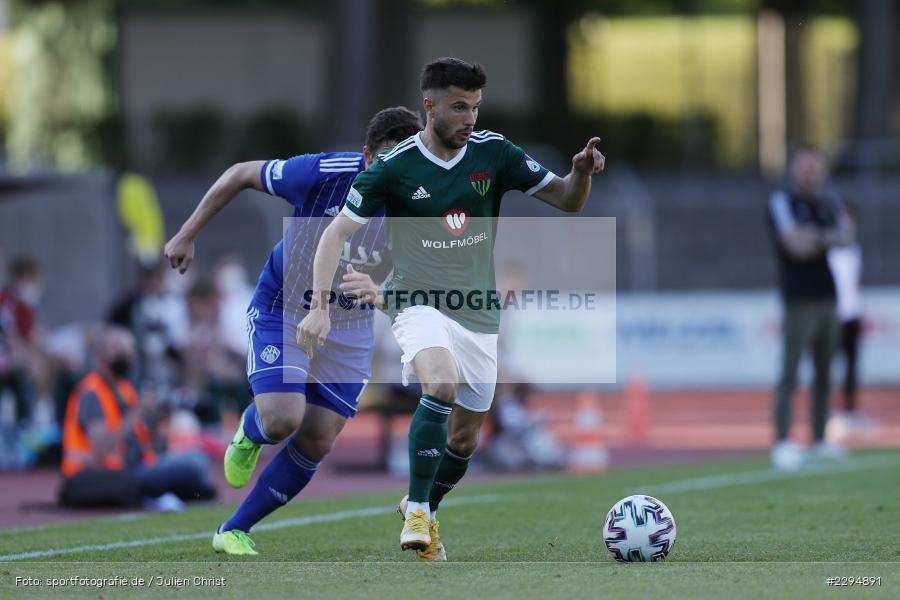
[332, 211]
[430, 453]
[420, 194]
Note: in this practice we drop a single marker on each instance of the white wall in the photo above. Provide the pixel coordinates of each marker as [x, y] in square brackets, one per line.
[704, 339]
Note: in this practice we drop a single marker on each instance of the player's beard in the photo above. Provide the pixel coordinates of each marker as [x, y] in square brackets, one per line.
[446, 133]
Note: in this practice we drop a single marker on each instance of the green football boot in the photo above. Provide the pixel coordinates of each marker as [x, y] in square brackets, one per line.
[240, 458]
[234, 541]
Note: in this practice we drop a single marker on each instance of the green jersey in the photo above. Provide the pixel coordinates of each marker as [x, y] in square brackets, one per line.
[442, 221]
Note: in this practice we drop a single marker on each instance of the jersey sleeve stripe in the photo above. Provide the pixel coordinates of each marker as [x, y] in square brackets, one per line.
[267, 179]
[402, 146]
[353, 216]
[386, 157]
[485, 132]
[486, 139]
[338, 169]
[337, 161]
[543, 183]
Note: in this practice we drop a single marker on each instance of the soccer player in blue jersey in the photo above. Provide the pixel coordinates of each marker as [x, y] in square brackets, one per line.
[305, 397]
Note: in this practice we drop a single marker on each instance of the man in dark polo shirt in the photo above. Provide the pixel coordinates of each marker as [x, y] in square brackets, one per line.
[806, 218]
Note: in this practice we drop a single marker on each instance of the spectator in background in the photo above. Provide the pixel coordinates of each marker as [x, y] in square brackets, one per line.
[109, 456]
[212, 370]
[20, 298]
[235, 294]
[11, 381]
[158, 320]
[26, 365]
[846, 264]
[521, 438]
[806, 219]
[6, 359]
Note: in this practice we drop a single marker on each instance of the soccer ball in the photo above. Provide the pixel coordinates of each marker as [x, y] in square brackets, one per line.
[639, 529]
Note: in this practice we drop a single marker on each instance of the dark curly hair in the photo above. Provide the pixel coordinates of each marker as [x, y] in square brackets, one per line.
[440, 74]
[392, 125]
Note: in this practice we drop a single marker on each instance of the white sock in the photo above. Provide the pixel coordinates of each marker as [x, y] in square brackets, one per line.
[412, 507]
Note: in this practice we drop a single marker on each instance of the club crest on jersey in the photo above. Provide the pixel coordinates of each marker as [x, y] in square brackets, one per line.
[481, 182]
[456, 220]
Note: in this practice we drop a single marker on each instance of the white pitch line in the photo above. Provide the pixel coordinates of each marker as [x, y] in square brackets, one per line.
[124, 517]
[751, 477]
[281, 524]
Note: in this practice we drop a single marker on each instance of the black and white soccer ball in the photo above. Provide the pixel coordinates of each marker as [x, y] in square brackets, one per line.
[639, 529]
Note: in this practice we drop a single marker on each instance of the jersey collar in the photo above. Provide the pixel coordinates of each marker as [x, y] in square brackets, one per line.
[446, 164]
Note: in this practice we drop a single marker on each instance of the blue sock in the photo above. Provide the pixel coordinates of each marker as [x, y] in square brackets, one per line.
[253, 426]
[281, 480]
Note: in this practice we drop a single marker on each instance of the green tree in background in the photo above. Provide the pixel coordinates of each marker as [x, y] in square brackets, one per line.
[62, 100]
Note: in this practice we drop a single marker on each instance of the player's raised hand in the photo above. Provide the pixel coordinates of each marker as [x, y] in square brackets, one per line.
[589, 161]
[180, 253]
[313, 330]
[361, 287]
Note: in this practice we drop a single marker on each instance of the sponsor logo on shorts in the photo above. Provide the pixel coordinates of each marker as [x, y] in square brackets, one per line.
[332, 211]
[270, 354]
[277, 169]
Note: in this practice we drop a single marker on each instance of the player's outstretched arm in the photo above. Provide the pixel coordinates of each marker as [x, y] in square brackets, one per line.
[571, 192]
[180, 249]
[314, 327]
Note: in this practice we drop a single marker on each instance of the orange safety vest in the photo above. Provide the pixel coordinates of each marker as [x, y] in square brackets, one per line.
[78, 452]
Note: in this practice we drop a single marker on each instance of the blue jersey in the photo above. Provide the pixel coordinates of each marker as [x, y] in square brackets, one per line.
[317, 185]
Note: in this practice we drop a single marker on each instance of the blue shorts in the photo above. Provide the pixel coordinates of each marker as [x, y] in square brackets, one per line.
[333, 379]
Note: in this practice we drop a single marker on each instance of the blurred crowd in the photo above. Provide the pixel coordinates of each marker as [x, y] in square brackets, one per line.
[189, 340]
[29, 373]
[181, 344]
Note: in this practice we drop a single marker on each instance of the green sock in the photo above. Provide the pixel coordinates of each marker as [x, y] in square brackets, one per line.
[427, 441]
[450, 471]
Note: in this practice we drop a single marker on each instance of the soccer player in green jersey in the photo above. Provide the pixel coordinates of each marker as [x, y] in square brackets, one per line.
[441, 190]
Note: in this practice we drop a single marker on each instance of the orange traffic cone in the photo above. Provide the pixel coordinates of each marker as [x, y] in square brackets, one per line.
[588, 453]
[637, 409]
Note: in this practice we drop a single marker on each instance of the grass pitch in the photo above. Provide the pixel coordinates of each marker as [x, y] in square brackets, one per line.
[743, 532]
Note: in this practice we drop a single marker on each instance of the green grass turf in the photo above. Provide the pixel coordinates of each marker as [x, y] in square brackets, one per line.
[757, 537]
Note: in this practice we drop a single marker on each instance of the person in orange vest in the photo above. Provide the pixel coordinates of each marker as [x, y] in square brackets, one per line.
[108, 451]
